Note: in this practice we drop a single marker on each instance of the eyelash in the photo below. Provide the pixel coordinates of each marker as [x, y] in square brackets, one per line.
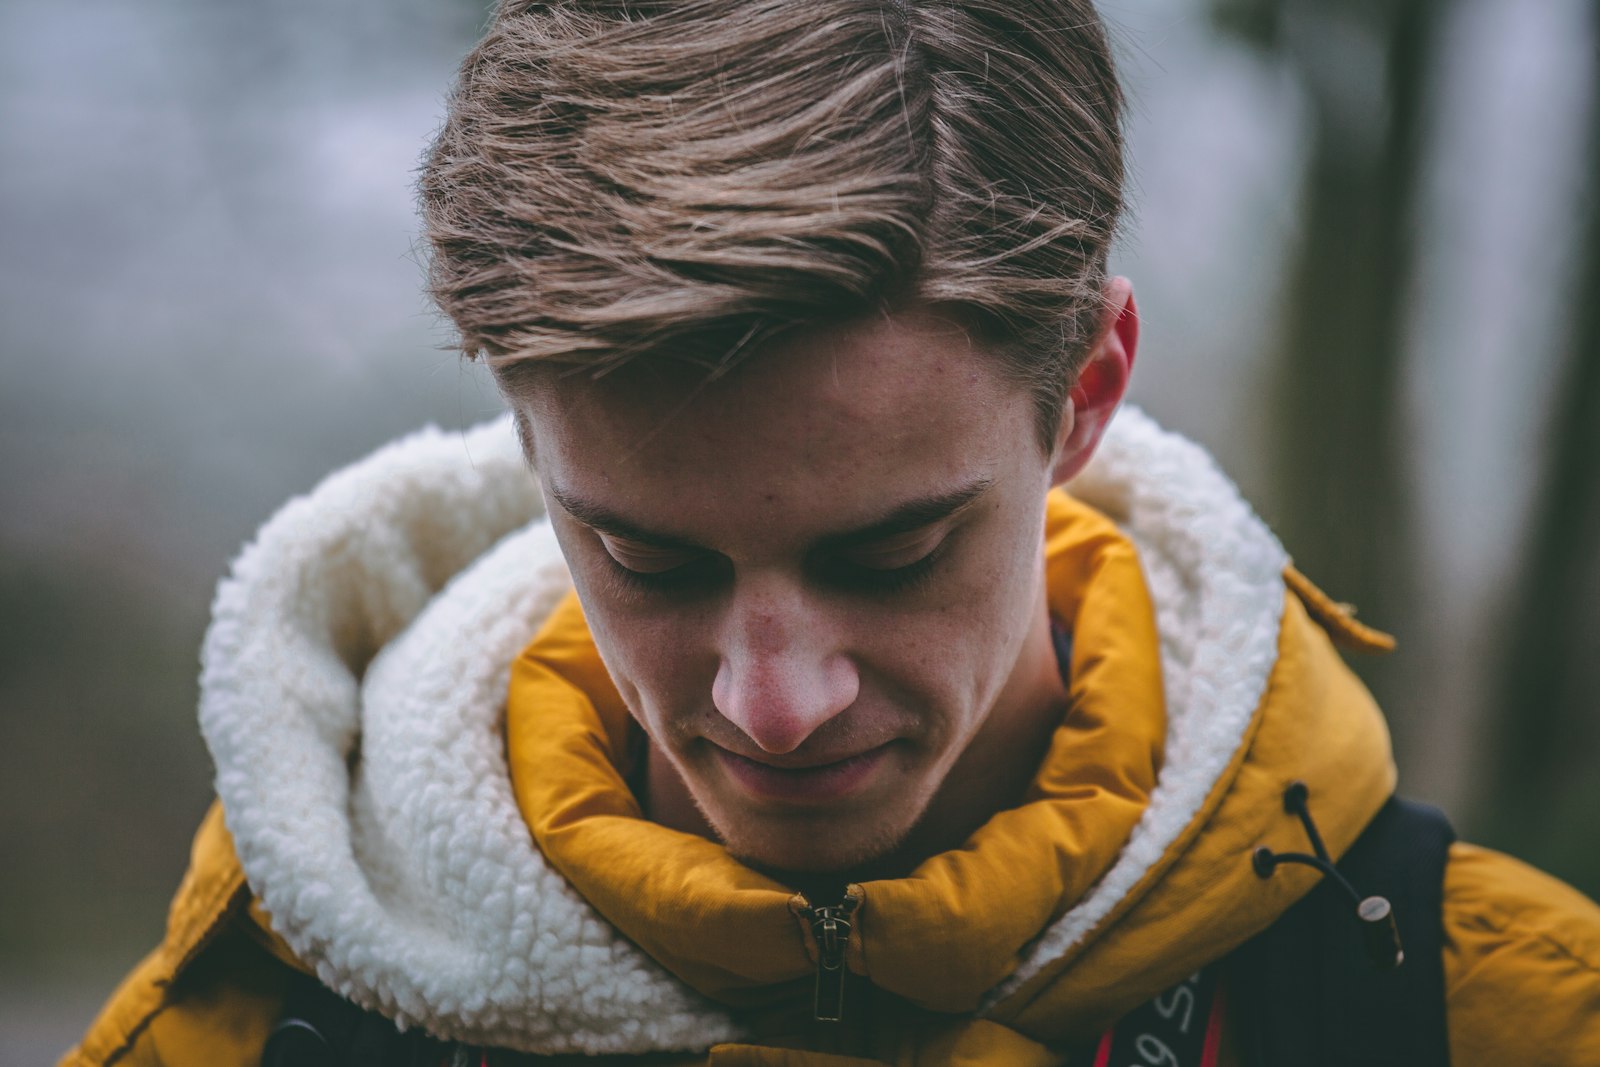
[689, 576]
[693, 577]
[884, 582]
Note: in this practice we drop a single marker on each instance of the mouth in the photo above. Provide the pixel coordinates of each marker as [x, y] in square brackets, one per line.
[816, 783]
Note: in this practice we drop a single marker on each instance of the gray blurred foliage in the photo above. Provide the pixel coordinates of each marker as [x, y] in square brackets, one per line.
[209, 297]
[1368, 68]
[1360, 280]
[1365, 69]
[1543, 795]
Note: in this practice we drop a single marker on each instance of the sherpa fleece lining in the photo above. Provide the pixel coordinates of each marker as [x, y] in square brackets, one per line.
[353, 694]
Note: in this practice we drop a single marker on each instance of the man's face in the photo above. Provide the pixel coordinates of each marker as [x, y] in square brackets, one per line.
[812, 580]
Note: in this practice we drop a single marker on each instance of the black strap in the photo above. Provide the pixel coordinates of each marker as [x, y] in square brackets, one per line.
[1307, 992]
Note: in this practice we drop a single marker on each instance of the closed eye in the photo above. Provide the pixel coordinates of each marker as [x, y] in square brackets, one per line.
[878, 580]
[887, 565]
[892, 565]
[894, 553]
[643, 558]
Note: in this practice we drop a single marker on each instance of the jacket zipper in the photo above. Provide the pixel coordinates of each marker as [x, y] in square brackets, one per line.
[831, 926]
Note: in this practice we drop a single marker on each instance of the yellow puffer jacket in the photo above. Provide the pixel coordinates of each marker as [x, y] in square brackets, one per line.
[480, 868]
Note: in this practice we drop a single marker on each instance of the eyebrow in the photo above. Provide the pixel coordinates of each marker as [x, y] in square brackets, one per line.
[911, 515]
[902, 518]
[598, 517]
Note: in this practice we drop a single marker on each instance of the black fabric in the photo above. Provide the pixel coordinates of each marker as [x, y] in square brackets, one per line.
[1308, 994]
[319, 1028]
[1061, 642]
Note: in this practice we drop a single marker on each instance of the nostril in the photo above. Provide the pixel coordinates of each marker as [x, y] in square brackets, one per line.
[780, 701]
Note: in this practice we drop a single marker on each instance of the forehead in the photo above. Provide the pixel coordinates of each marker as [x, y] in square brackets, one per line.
[844, 414]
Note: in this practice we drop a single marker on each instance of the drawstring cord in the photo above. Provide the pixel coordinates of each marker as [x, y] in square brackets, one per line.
[1379, 933]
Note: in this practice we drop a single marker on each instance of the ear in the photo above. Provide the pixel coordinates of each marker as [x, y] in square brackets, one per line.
[1101, 383]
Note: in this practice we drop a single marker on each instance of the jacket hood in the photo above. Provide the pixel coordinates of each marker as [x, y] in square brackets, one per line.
[354, 694]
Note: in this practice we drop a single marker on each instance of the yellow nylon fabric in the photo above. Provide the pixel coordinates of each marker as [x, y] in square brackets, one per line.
[1522, 963]
[953, 929]
[729, 931]
[1317, 724]
[1522, 952]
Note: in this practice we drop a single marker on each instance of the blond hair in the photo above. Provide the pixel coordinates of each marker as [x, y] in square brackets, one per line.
[685, 179]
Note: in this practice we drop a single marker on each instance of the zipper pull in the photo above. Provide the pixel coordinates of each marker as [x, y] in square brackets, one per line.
[831, 927]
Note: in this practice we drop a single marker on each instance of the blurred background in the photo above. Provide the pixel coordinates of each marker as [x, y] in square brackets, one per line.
[1367, 248]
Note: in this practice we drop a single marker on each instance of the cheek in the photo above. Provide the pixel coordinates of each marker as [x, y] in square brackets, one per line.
[957, 654]
[982, 630]
[659, 666]
[655, 658]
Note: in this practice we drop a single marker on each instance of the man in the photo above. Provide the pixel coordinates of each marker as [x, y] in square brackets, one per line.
[858, 742]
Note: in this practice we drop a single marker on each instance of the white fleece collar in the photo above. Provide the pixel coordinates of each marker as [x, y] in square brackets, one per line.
[353, 693]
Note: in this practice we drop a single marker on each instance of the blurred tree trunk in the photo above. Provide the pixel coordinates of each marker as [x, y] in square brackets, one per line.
[1543, 799]
[1342, 470]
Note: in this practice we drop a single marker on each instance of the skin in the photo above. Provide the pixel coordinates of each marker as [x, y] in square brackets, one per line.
[818, 583]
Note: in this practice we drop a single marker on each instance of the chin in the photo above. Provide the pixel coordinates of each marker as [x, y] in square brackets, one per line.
[844, 844]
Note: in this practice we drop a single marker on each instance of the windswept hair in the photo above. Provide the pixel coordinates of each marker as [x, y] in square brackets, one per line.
[685, 179]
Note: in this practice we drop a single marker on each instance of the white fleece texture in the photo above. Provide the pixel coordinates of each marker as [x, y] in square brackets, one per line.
[353, 698]
[1215, 573]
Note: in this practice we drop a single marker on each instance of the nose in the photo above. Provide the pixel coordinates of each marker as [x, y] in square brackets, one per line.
[781, 675]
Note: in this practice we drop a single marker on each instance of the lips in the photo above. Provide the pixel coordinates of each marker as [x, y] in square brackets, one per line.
[815, 783]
